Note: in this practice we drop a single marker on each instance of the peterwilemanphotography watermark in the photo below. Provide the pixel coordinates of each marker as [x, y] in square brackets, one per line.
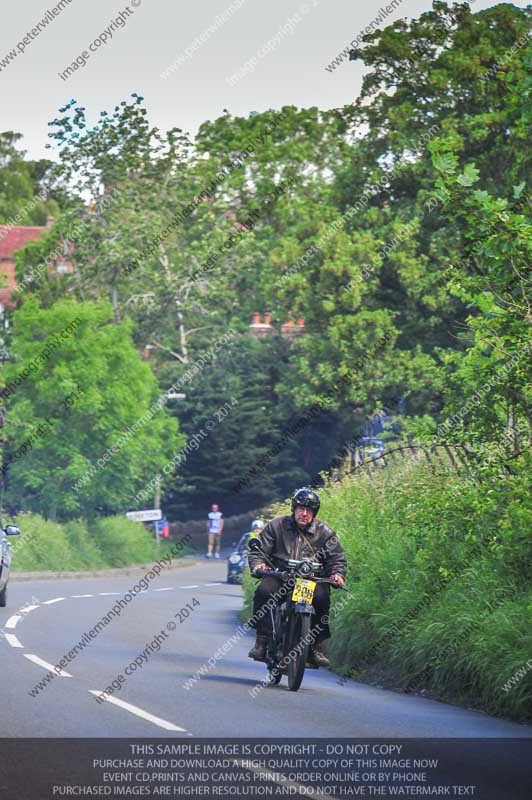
[104, 37]
[88, 637]
[52, 344]
[202, 38]
[287, 28]
[35, 31]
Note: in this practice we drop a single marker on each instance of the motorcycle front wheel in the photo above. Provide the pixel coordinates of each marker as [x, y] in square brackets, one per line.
[297, 651]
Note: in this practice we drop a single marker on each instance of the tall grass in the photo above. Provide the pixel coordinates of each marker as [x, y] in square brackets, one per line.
[440, 586]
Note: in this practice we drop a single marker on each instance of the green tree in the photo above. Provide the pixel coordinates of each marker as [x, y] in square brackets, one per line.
[330, 216]
[243, 374]
[138, 233]
[84, 431]
[381, 258]
[495, 369]
[28, 194]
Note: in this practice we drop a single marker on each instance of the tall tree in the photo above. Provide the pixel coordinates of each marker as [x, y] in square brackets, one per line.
[84, 431]
[489, 387]
[28, 194]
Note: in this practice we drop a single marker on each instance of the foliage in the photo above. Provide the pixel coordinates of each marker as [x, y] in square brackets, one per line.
[333, 216]
[47, 545]
[77, 545]
[399, 228]
[28, 194]
[439, 572]
[498, 336]
[262, 448]
[86, 393]
[122, 540]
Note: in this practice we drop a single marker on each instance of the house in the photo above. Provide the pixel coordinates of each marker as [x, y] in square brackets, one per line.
[12, 238]
[288, 329]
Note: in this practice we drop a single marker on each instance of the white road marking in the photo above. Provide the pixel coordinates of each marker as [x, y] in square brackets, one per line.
[46, 665]
[162, 723]
[166, 589]
[12, 640]
[12, 621]
[218, 583]
[27, 609]
[81, 595]
[51, 602]
[107, 594]
[192, 586]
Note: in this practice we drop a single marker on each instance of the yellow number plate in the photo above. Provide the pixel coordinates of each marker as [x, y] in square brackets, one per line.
[303, 591]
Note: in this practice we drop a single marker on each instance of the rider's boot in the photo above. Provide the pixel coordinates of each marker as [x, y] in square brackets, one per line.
[317, 656]
[258, 652]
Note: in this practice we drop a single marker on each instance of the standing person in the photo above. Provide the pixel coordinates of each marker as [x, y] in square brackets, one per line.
[215, 526]
[300, 535]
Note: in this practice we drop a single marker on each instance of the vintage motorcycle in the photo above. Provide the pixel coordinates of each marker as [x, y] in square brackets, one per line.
[288, 647]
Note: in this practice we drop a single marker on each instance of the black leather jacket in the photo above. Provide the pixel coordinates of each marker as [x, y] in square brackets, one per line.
[282, 539]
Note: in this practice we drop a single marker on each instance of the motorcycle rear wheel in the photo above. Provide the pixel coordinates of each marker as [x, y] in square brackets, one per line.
[297, 632]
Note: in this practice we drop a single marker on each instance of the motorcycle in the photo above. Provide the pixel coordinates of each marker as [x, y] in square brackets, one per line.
[288, 647]
[236, 563]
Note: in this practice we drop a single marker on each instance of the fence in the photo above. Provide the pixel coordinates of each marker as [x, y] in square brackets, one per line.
[438, 456]
[457, 456]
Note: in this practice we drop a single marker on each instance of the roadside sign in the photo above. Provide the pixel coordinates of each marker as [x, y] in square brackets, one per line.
[148, 515]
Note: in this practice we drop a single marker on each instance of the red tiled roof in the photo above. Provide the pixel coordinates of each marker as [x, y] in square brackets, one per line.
[13, 237]
[5, 297]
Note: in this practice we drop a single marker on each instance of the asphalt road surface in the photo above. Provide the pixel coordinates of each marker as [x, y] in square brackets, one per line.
[45, 619]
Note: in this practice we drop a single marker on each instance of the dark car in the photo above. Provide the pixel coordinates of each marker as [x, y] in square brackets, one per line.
[237, 560]
[370, 447]
[5, 560]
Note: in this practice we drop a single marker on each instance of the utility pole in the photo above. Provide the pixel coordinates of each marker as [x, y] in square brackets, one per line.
[157, 504]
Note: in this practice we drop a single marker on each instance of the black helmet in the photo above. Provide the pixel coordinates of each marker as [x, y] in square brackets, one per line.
[308, 498]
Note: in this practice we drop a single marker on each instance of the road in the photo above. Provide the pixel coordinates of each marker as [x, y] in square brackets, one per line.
[46, 618]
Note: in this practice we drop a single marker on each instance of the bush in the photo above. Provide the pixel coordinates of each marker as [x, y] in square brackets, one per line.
[87, 554]
[442, 601]
[42, 545]
[122, 541]
[107, 542]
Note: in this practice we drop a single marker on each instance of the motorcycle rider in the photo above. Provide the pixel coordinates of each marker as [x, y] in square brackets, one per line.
[256, 528]
[297, 536]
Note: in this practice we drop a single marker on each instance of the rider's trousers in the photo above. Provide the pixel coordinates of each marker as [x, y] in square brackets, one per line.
[271, 591]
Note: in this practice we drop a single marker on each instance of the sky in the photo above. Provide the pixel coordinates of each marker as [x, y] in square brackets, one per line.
[189, 61]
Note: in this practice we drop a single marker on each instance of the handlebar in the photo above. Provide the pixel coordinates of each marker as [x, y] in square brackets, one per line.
[284, 575]
[270, 573]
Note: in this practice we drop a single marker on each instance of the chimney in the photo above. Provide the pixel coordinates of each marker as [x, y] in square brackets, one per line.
[258, 328]
[288, 328]
[49, 222]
